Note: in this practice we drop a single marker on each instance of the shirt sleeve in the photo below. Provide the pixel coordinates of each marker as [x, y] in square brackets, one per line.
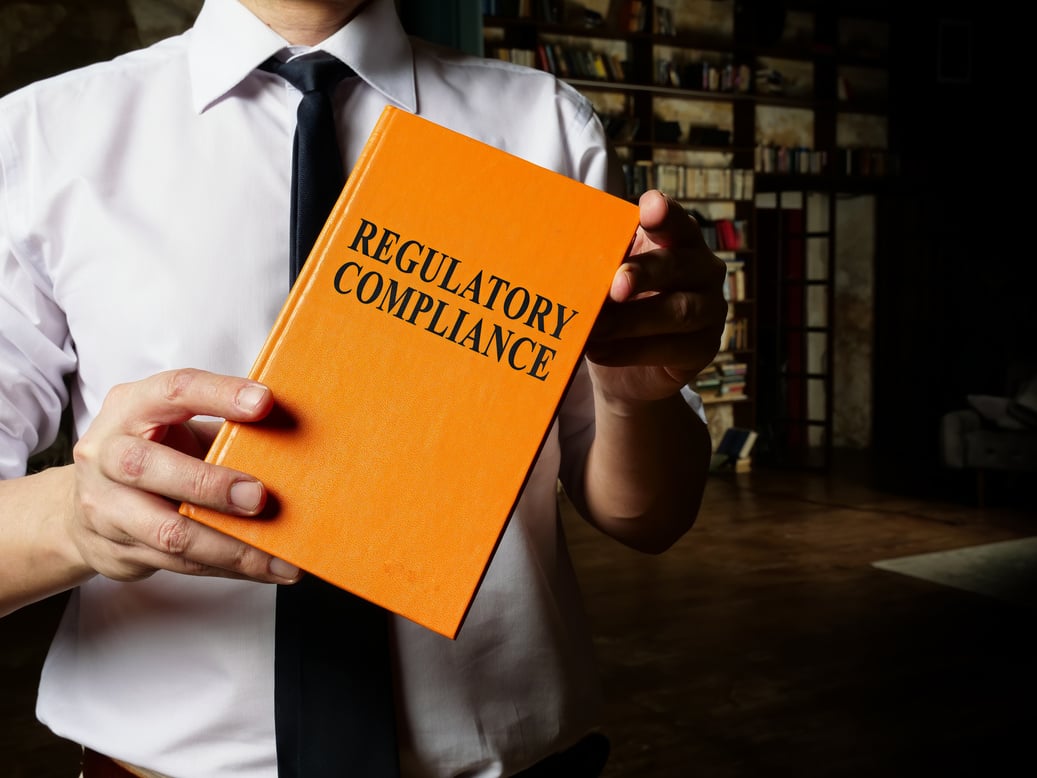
[600, 167]
[36, 351]
[576, 415]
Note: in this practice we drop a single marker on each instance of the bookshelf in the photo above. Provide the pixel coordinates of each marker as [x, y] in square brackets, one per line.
[823, 150]
[736, 108]
[676, 105]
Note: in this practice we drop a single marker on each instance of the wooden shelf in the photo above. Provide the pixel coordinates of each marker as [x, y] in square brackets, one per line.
[712, 400]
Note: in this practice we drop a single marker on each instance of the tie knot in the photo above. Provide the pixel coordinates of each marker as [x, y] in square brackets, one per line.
[312, 73]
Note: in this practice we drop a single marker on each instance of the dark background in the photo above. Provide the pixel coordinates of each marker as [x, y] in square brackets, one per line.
[955, 265]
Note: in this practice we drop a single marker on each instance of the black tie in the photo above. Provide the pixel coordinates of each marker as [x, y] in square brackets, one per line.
[333, 694]
[317, 174]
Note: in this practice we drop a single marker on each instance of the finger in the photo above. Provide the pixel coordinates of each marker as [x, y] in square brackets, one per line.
[175, 396]
[135, 414]
[152, 535]
[665, 270]
[675, 351]
[160, 469]
[664, 223]
[661, 314]
[667, 253]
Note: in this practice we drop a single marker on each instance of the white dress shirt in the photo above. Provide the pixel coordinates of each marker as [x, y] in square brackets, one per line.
[144, 226]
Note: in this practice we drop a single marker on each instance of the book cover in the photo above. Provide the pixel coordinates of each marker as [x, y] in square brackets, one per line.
[418, 364]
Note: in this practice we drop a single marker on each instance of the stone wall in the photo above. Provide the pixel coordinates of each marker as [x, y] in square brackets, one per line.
[40, 38]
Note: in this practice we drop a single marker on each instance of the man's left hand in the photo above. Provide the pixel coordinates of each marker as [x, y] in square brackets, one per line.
[666, 309]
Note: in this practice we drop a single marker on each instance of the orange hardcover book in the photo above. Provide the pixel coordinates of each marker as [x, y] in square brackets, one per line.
[418, 363]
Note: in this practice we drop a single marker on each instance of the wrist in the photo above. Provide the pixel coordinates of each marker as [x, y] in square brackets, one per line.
[63, 546]
[637, 408]
[54, 560]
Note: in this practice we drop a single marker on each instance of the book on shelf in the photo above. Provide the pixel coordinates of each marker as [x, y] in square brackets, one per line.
[734, 448]
[735, 336]
[527, 57]
[727, 237]
[663, 17]
[693, 183]
[631, 15]
[731, 367]
[551, 11]
[735, 282]
[721, 234]
[576, 61]
[561, 60]
[619, 67]
[738, 442]
[724, 379]
[707, 382]
[732, 374]
[417, 366]
[620, 128]
[520, 9]
[544, 59]
[731, 388]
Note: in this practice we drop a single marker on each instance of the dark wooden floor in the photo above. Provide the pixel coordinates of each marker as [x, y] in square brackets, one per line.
[763, 644]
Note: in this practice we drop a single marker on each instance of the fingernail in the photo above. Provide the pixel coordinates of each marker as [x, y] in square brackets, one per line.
[622, 284]
[250, 396]
[246, 494]
[281, 569]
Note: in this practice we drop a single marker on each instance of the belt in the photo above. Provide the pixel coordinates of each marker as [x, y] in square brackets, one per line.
[586, 759]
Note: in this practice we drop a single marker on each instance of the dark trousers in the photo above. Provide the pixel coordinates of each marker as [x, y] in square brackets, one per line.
[586, 759]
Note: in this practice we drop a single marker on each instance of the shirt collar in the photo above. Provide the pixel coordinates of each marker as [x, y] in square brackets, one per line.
[228, 42]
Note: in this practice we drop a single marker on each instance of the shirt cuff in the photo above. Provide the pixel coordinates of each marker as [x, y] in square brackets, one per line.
[694, 401]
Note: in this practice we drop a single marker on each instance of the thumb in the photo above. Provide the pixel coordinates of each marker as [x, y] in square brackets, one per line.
[664, 223]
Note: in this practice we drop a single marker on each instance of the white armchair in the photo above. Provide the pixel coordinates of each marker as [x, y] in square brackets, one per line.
[993, 433]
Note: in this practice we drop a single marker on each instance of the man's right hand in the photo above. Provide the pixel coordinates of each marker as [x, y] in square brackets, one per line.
[114, 511]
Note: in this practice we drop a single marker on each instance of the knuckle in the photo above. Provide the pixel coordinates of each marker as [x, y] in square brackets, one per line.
[84, 450]
[684, 310]
[117, 395]
[177, 383]
[133, 460]
[174, 535]
[248, 560]
[206, 481]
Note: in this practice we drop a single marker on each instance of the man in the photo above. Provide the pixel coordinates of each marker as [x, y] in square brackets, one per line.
[143, 237]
